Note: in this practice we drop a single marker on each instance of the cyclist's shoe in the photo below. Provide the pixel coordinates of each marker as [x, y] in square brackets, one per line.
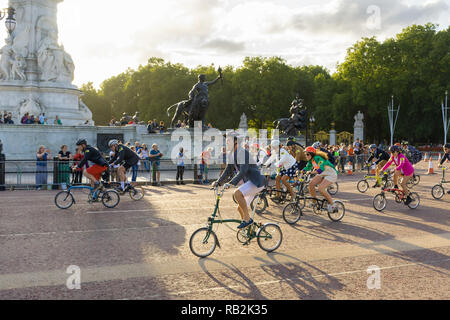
[245, 224]
[408, 200]
[332, 208]
[376, 185]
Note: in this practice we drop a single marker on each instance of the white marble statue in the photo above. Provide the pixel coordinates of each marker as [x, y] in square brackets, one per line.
[18, 68]
[359, 120]
[6, 60]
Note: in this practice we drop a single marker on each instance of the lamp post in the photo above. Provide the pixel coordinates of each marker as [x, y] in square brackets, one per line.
[392, 121]
[445, 117]
[10, 21]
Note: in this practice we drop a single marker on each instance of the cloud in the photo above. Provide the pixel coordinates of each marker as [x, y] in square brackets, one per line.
[356, 17]
[224, 45]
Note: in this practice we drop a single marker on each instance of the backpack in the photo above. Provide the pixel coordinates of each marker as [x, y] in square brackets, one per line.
[416, 155]
[330, 156]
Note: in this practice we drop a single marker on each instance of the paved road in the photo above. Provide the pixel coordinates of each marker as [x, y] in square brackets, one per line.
[140, 249]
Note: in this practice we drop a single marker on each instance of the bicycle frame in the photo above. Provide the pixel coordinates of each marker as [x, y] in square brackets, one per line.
[251, 231]
[91, 190]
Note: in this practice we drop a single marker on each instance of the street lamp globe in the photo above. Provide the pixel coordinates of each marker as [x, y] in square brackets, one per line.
[10, 21]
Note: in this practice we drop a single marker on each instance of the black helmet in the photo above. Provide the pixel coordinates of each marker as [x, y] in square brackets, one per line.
[447, 145]
[394, 149]
[372, 146]
[81, 141]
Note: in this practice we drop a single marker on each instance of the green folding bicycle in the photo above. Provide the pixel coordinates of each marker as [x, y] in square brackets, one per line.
[204, 241]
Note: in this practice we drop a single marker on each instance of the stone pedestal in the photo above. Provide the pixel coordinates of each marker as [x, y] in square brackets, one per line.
[359, 134]
[332, 137]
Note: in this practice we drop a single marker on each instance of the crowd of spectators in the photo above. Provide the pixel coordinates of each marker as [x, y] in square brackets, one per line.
[7, 118]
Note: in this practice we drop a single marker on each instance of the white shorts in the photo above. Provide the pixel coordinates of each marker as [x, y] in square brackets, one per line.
[329, 174]
[249, 191]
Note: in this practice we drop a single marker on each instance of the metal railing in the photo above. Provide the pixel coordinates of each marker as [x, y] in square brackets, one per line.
[56, 174]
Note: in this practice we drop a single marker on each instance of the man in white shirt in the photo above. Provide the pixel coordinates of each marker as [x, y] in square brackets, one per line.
[287, 165]
[42, 118]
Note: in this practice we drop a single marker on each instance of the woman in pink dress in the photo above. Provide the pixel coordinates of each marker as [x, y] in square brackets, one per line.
[403, 166]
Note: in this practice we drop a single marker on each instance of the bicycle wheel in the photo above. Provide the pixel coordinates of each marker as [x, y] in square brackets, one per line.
[292, 213]
[110, 198]
[416, 179]
[437, 192]
[379, 202]
[137, 193]
[410, 184]
[338, 213]
[362, 186]
[64, 200]
[333, 188]
[415, 200]
[269, 237]
[203, 242]
[260, 202]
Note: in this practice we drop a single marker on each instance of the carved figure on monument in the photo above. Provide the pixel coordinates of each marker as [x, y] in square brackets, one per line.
[86, 114]
[30, 106]
[6, 60]
[53, 62]
[18, 68]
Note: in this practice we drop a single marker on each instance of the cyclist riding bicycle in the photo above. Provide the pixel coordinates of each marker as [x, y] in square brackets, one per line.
[239, 159]
[326, 174]
[123, 156]
[382, 157]
[403, 167]
[94, 172]
[288, 167]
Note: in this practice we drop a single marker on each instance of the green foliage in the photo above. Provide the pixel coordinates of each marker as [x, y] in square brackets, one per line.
[414, 66]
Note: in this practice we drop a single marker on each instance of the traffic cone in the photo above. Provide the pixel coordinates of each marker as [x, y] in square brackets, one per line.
[430, 166]
[350, 172]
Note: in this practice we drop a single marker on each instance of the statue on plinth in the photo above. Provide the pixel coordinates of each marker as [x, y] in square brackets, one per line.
[290, 126]
[196, 107]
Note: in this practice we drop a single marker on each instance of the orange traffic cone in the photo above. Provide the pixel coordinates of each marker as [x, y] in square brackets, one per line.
[350, 172]
[426, 157]
[373, 170]
[430, 166]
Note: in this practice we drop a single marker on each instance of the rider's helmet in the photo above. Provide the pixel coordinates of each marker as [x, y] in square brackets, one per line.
[447, 145]
[81, 141]
[316, 145]
[372, 147]
[394, 148]
[202, 77]
[112, 142]
[311, 150]
[275, 144]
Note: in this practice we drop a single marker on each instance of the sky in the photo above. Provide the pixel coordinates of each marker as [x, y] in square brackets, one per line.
[105, 37]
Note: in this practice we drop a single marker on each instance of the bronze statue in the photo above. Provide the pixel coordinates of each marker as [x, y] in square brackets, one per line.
[290, 126]
[195, 108]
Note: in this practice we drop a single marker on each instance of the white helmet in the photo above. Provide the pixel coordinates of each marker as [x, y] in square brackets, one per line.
[112, 142]
[316, 145]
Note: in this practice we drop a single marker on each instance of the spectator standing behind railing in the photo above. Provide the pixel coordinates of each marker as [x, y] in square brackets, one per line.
[155, 156]
[78, 173]
[135, 168]
[180, 166]
[64, 156]
[41, 166]
[351, 156]
[342, 157]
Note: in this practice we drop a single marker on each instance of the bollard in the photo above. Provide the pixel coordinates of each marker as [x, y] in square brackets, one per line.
[154, 173]
[2, 172]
